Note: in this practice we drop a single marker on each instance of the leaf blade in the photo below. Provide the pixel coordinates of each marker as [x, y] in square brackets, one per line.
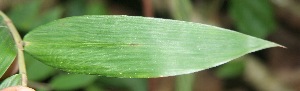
[128, 46]
[14, 80]
[7, 46]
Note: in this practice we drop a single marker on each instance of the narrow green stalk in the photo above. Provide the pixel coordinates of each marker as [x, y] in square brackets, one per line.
[19, 43]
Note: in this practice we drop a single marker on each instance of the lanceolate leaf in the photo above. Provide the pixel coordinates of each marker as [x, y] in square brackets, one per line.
[8, 50]
[14, 80]
[139, 47]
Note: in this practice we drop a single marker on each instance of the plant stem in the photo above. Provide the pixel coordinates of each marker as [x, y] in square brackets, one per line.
[19, 43]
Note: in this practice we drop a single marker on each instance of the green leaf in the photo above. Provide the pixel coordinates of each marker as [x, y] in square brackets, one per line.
[23, 15]
[75, 8]
[253, 17]
[50, 15]
[8, 50]
[86, 7]
[126, 84]
[93, 88]
[139, 47]
[36, 70]
[95, 7]
[71, 81]
[27, 16]
[14, 80]
[232, 69]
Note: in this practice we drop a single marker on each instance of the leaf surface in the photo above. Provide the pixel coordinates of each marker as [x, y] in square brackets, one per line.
[139, 47]
[8, 50]
[14, 80]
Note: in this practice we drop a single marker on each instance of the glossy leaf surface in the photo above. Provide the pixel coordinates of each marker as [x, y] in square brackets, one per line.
[14, 80]
[8, 50]
[139, 47]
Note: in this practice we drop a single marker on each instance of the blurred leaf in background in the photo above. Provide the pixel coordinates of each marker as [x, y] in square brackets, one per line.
[231, 69]
[36, 70]
[28, 15]
[86, 7]
[181, 9]
[253, 17]
[93, 87]
[71, 81]
[75, 7]
[127, 84]
[96, 7]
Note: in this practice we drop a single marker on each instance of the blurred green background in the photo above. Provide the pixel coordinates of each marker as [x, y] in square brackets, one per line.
[274, 69]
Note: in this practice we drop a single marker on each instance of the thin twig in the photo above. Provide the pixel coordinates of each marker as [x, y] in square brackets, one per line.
[18, 41]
